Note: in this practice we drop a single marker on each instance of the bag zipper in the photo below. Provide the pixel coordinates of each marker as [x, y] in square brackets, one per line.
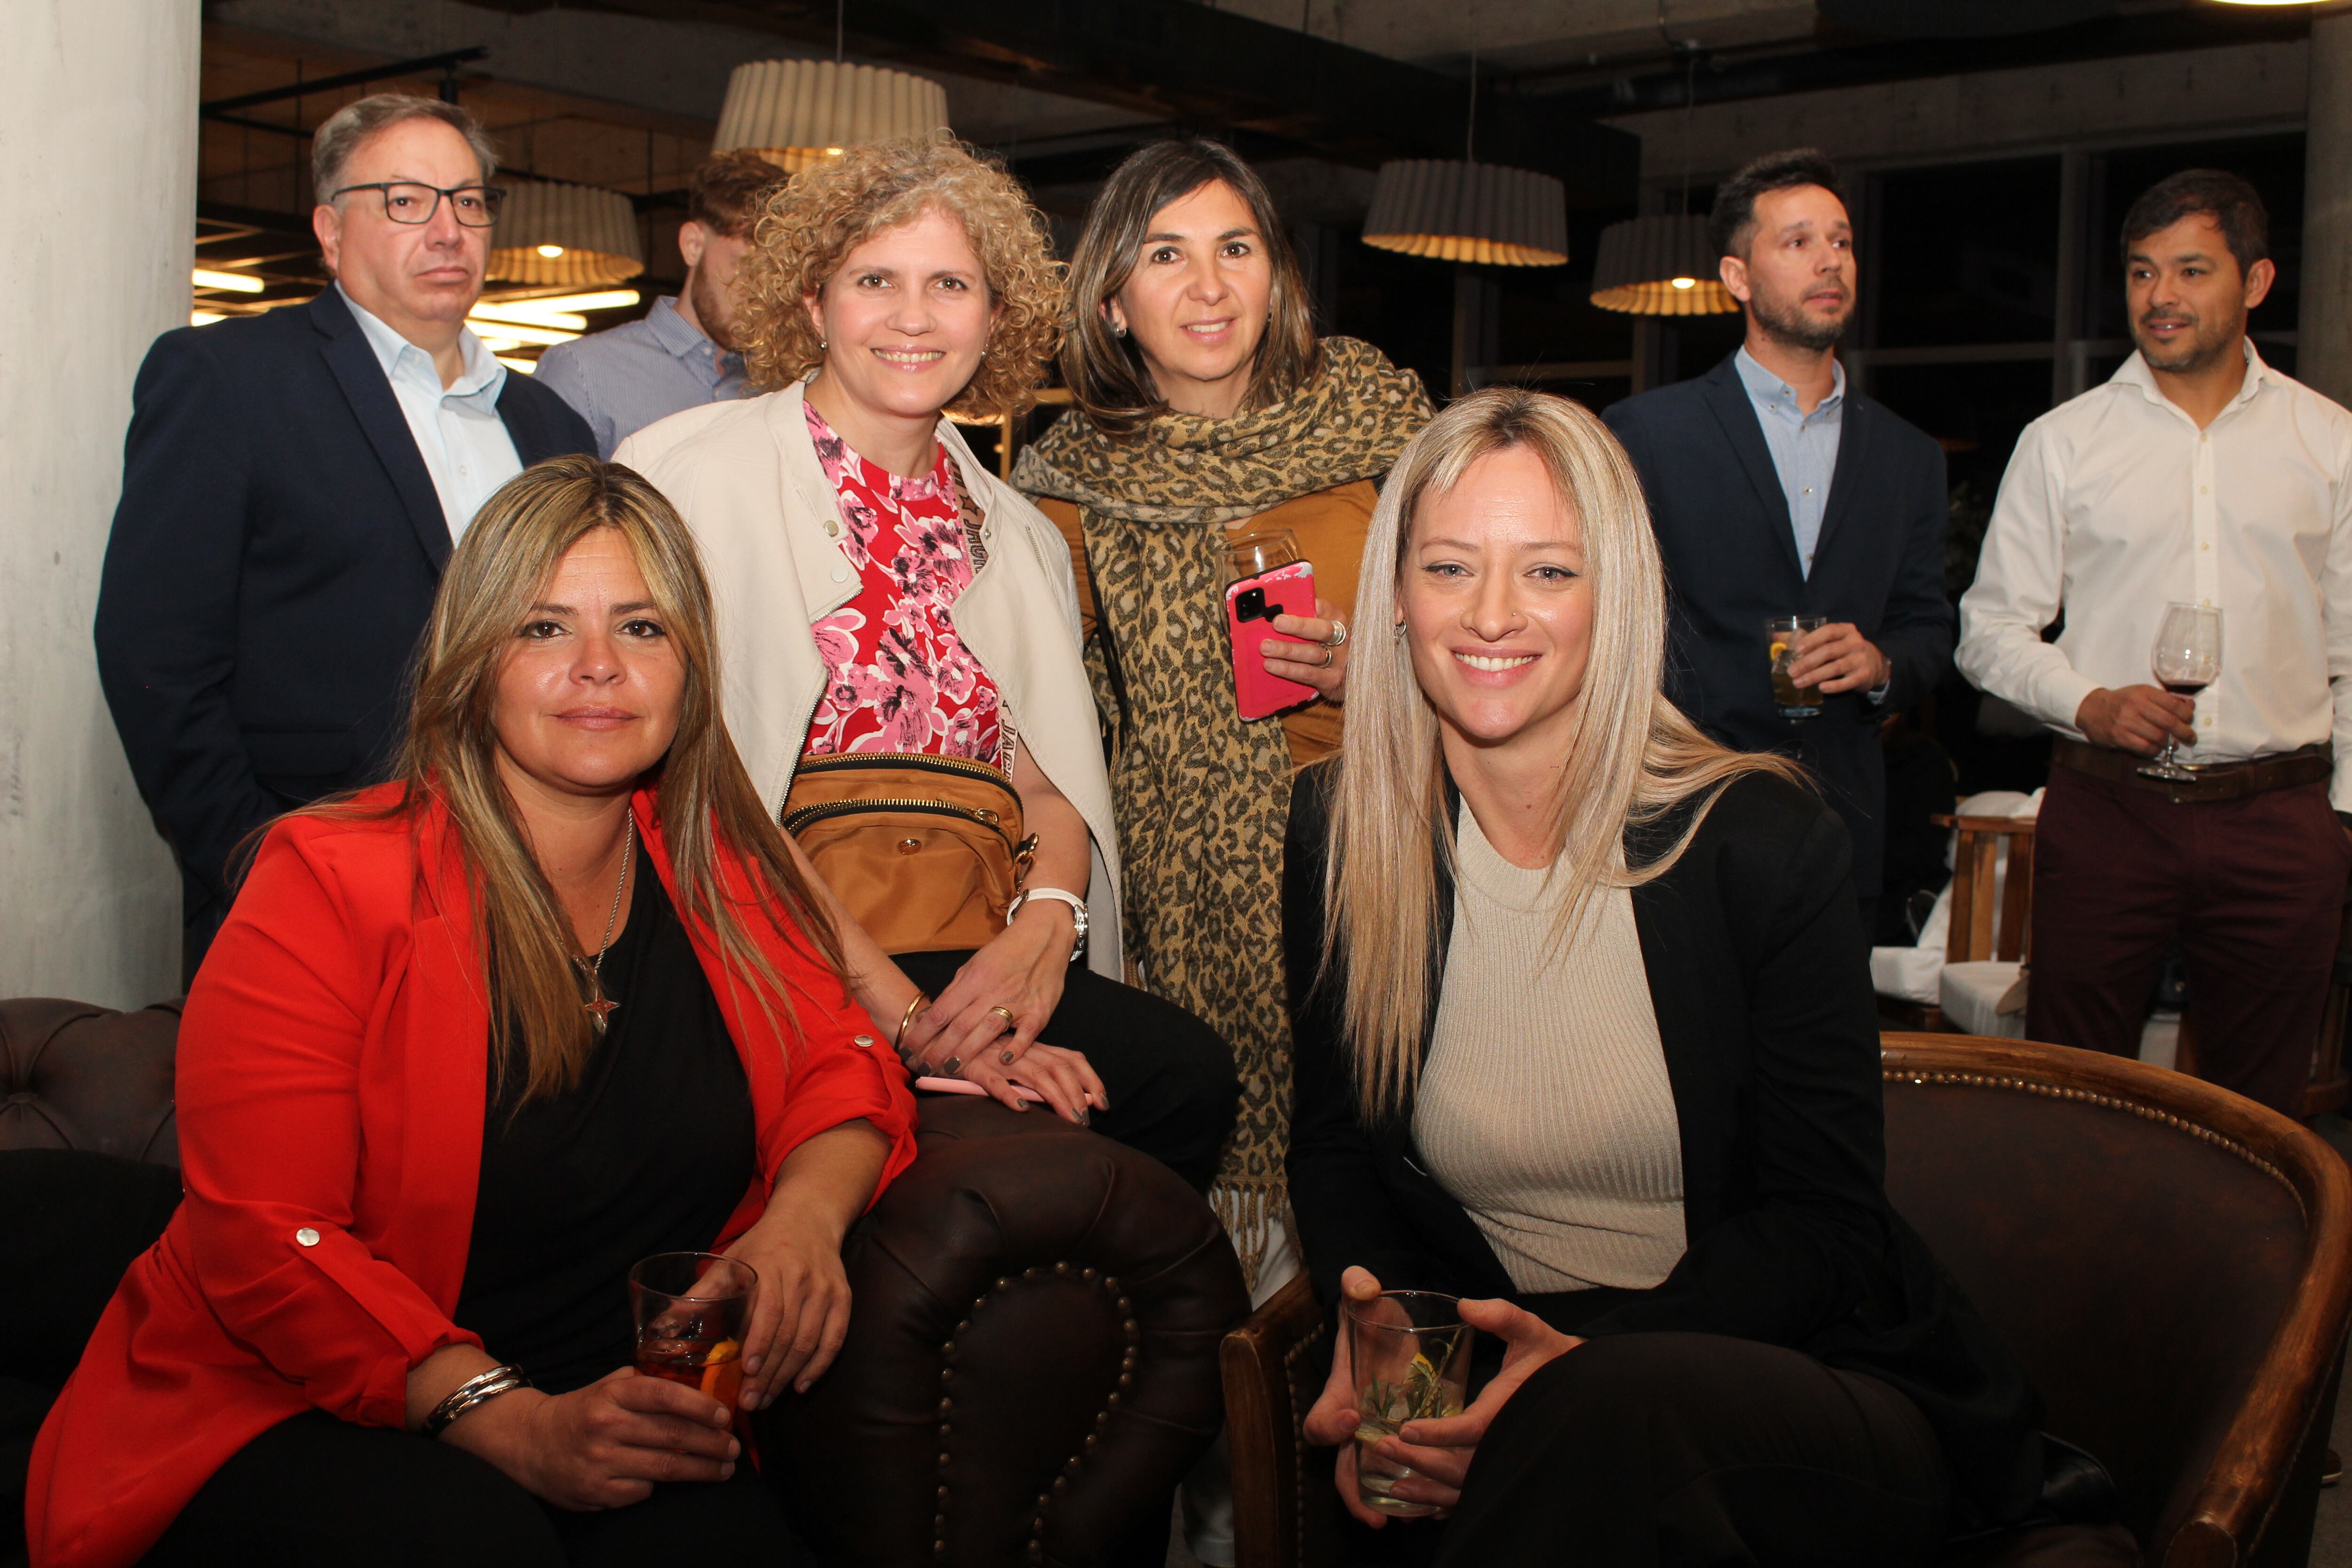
[796, 820]
[844, 761]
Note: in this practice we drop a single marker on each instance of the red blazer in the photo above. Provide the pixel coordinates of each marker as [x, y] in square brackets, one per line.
[332, 1063]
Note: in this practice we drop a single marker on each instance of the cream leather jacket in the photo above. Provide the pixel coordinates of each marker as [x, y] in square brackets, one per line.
[745, 477]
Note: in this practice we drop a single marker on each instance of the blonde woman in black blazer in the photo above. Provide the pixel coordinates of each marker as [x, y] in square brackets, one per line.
[1789, 1377]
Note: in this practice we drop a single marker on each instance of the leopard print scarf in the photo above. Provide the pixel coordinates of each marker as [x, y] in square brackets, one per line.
[1203, 799]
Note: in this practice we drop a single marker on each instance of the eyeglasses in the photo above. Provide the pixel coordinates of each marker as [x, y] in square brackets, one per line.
[476, 206]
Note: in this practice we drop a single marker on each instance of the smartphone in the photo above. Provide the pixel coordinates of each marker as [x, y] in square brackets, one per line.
[1251, 605]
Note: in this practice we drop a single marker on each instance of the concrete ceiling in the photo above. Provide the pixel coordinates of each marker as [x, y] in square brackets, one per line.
[1064, 87]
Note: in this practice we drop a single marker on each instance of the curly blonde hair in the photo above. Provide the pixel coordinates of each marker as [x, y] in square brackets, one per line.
[803, 231]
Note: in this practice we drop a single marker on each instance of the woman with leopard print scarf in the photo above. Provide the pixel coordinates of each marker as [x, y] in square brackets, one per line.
[1209, 416]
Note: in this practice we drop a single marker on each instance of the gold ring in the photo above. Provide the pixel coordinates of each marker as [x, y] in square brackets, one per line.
[1007, 1013]
[1327, 658]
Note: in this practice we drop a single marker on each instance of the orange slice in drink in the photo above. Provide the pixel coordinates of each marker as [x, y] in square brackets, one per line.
[719, 1366]
[1778, 650]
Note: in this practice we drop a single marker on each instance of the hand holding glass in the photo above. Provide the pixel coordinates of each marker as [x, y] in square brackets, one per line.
[691, 1311]
[2186, 659]
[1782, 634]
[1410, 1350]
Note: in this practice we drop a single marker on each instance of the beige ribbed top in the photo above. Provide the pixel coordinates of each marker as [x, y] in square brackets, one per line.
[1543, 1106]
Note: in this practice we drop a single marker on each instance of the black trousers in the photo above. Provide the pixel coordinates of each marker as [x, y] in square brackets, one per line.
[313, 1489]
[1170, 1077]
[1699, 1450]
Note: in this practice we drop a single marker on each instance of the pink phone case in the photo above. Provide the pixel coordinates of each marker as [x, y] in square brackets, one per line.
[1285, 591]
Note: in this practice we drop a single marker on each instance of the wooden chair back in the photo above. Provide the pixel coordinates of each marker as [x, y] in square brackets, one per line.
[1975, 934]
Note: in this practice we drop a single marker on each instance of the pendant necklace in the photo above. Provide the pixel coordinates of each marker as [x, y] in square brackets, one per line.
[599, 1006]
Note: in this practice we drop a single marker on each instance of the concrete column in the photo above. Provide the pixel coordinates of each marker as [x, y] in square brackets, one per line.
[2324, 331]
[98, 166]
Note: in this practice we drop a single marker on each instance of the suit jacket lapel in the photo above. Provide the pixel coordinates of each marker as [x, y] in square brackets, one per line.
[363, 383]
[1854, 443]
[445, 1046]
[1728, 400]
[1699, 1013]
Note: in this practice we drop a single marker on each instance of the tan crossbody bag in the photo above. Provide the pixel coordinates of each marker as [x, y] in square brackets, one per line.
[926, 852]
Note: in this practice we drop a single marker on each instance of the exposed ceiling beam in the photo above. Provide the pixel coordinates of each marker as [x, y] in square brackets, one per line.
[446, 63]
[1844, 59]
[1199, 66]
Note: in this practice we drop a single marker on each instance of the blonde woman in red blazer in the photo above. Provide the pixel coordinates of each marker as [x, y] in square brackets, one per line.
[424, 1040]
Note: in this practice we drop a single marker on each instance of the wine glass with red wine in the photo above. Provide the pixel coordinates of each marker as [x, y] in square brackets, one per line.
[2187, 660]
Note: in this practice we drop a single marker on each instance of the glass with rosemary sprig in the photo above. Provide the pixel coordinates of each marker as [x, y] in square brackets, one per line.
[1410, 1350]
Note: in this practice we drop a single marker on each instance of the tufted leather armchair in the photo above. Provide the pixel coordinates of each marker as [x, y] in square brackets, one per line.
[77, 1077]
[2171, 1263]
[1033, 1357]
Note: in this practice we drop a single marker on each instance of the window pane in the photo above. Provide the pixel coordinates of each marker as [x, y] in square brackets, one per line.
[1974, 412]
[1967, 254]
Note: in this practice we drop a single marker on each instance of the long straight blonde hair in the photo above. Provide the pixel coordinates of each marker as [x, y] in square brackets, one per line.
[539, 1032]
[1632, 758]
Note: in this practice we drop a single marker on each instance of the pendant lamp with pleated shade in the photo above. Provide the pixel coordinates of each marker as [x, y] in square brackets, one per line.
[1659, 266]
[570, 235]
[797, 112]
[1455, 210]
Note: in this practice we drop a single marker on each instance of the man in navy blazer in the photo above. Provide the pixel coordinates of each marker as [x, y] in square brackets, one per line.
[1776, 490]
[292, 486]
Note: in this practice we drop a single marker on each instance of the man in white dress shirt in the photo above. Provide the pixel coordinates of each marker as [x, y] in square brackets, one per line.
[2198, 475]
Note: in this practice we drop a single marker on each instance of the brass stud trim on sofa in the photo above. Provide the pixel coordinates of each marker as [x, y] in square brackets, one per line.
[1109, 1284]
[2104, 1102]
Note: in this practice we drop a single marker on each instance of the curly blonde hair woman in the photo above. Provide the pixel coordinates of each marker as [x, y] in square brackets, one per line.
[889, 609]
[805, 228]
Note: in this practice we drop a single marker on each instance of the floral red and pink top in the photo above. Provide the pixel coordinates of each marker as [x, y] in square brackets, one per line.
[897, 676]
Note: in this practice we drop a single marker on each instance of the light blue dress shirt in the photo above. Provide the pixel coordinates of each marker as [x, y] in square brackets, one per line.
[458, 432]
[625, 377]
[1804, 447]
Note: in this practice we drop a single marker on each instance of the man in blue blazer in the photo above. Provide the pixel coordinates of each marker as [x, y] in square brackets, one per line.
[1776, 490]
[292, 486]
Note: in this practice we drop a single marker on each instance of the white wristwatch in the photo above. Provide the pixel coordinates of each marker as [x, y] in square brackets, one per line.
[1077, 913]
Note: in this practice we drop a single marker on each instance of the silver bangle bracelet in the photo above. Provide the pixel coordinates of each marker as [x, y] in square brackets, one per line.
[479, 1389]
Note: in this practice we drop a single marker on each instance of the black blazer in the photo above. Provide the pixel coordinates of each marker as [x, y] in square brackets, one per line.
[273, 560]
[1770, 1037]
[1731, 550]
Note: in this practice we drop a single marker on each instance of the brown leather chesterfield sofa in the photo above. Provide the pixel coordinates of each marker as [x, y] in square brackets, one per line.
[2173, 1265]
[1033, 1350]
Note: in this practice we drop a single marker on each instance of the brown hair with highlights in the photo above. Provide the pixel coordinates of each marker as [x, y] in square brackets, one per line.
[1105, 371]
[806, 229]
[539, 1033]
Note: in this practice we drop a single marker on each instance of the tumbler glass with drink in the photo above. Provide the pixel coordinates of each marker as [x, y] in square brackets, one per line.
[1410, 1350]
[692, 1310]
[1781, 636]
[2186, 659]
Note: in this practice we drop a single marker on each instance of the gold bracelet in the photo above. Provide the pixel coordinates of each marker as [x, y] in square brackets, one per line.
[916, 1006]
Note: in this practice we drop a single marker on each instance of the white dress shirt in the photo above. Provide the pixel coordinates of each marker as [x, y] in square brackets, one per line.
[458, 432]
[2116, 504]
